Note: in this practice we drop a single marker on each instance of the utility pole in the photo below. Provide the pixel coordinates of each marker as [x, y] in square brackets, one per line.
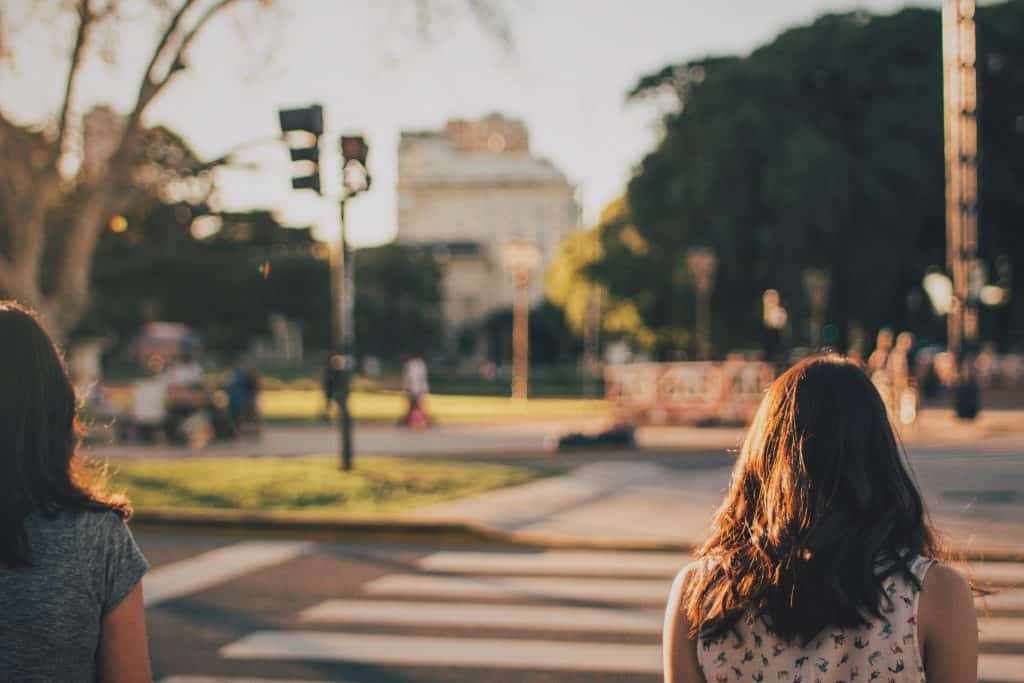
[959, 54]
[961, 128]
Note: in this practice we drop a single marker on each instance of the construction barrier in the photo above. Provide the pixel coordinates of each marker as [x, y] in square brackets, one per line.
[686, 393]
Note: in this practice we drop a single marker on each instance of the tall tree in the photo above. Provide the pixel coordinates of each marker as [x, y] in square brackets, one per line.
[822, 149]
[35, 183]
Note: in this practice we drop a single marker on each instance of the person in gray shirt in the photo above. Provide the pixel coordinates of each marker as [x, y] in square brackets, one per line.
[71, 605]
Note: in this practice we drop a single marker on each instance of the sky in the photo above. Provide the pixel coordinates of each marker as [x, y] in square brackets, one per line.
[566, 74]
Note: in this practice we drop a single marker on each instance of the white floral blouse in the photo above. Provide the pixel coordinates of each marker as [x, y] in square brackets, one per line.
[885, 650]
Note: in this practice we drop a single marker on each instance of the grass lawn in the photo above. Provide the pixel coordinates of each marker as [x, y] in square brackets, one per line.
[310, 483]
[304, 405]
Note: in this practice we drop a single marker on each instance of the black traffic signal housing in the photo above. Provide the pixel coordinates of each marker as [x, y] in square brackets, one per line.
[305, 120]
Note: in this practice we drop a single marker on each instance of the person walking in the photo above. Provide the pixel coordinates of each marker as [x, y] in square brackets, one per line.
[70, 571]
[416, 385]
[821, 564]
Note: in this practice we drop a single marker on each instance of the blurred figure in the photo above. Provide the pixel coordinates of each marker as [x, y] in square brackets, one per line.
[986, 366]
[184, 399]
[966, 399]
[332, 382]
[149, 401]
[70, 570]
[243, 389]
[416, 386]
[880, 356]
[904, 394]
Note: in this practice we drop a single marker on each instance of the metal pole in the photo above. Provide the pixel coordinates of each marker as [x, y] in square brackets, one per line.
[521, 341]
[344, 292]
[961, 130]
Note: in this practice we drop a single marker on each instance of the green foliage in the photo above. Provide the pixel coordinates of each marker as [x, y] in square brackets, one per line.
[398, 301]
[574, 276]
[309, 483]
[822, 149]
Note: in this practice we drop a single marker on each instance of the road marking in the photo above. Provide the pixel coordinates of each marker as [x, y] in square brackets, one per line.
[448, 652]
[580, 563]
[601, 619]
[1003, 600]
[993, 573]
[235, 679]
[1002, 668]
[562, 588]
[178, 579]
[1002, 630]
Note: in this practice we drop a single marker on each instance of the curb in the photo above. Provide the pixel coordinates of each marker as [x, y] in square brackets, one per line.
[381, 530]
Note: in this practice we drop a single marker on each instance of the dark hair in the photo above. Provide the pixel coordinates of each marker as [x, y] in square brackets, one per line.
[820, 511]
[40, 468]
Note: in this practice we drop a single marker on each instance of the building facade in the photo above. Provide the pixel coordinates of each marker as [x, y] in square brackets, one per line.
[467, 190]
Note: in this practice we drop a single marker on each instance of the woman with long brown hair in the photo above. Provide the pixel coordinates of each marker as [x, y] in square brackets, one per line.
[821, 563]
[70, 591]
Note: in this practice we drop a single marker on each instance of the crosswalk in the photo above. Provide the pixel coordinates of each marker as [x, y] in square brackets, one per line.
[551, 611]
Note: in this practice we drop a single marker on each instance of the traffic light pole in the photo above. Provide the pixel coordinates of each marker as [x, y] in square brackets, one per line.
[345, 333]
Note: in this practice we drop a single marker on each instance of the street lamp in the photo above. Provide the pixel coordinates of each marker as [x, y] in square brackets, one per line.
[521, 259]
[939, 289]
[701, 262]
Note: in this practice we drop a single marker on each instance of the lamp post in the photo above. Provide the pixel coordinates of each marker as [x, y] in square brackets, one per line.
[817, 282]
[961, 151]
[522, 259]
[701, 262]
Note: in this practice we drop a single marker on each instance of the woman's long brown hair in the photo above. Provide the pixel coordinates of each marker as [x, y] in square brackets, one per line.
[40, 468]
[821, 509]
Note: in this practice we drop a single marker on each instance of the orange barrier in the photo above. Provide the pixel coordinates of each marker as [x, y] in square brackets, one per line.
[686, 393]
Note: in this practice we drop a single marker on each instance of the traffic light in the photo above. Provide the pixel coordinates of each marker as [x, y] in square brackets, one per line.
[353, 147]
[355, 176]
[308, 120]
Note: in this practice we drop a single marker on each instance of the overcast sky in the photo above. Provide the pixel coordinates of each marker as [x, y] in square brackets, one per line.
[566, 75]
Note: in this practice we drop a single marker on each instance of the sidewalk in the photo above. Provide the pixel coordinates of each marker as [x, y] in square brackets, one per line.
[934, 428]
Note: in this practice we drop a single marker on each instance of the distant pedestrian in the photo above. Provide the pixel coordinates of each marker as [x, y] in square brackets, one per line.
[333, 383]
[243, 389]
[416, 386]
[70, 591]
[820, 563]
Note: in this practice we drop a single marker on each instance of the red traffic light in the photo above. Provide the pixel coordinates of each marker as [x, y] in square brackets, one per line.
[354, 147]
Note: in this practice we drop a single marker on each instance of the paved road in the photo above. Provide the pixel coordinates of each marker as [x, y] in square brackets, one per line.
[282, 611]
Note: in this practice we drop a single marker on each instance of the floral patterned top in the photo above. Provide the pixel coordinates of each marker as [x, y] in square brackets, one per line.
[886, 651]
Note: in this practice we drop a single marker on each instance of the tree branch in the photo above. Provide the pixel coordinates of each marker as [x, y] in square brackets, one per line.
[171, 29]
[85, 21]
[150, 87]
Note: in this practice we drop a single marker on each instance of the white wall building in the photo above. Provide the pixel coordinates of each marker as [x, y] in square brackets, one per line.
[466, 191]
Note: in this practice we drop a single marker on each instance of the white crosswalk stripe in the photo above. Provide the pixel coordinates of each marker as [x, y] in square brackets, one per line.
[599, 619]
[644, 591]
[577, 562]
[485, 653]
[198, 573]
[236, 679]
[519, 607]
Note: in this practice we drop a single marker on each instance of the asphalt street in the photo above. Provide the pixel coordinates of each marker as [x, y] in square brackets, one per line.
[223, 611]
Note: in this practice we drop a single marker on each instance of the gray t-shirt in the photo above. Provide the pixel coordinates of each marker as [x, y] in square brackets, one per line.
[84, 565]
